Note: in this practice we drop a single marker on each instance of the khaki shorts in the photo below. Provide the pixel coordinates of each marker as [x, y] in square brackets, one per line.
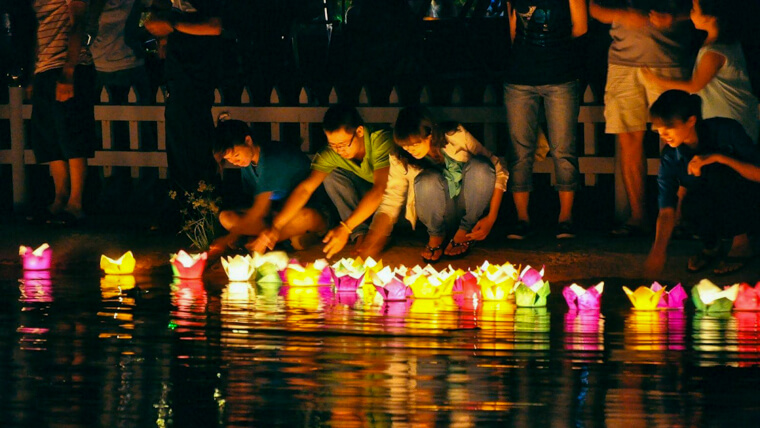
[628, 96]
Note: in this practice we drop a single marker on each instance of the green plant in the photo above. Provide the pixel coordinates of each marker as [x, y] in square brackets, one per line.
[199, 213]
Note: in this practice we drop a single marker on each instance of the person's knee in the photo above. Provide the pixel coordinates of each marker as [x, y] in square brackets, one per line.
[428, 183]
[479, 169]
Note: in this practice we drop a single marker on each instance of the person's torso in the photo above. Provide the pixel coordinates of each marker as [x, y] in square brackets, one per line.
[53, 28]
[110, 51]
[543, 51]
[652, 47]
[729, 93]
[281, 167]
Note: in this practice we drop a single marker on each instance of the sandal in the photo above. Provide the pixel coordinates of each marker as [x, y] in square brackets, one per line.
[452, 244]
[700, 261]
[731, 264]
[433, 250]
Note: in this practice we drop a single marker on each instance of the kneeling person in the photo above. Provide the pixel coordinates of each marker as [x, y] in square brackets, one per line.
[718, 163]
[270, 172]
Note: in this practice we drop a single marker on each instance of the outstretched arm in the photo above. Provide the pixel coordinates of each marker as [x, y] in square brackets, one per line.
[747, 170]
[705, 71]
[666, 221]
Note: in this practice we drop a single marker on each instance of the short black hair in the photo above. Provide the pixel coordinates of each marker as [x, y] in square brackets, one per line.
[230, 133]
[676, 105]
[341, 116]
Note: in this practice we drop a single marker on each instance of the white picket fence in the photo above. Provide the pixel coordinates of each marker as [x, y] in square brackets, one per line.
[490, 115]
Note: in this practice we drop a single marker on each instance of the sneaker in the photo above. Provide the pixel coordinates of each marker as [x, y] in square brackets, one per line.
[565, 230]
[521, 231]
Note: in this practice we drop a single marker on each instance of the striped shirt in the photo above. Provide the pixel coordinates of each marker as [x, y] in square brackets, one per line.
[54, 25]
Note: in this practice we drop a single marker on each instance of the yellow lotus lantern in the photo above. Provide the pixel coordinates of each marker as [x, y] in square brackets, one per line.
[497, 281]
[644, 298]
[370, 266]
[428, 287]
[124, 265]
[238, 268]
[311, 275]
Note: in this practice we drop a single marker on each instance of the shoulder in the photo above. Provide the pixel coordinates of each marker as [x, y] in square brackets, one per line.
[380, 136]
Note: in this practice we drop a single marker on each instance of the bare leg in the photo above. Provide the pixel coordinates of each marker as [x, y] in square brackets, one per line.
[566, 199]
[307, 220]
[634, 172]
[740, 246]
[521, 205]
[60, 171]
[78, 173]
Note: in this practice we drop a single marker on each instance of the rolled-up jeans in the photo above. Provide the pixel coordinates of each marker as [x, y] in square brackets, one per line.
[561, 104]
[345, 190]
[437, 210]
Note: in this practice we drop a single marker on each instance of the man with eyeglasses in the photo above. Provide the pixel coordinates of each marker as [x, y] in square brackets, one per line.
[354, 169]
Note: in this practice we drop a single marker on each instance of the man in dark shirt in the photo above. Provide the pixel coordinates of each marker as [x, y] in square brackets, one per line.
[717, 162]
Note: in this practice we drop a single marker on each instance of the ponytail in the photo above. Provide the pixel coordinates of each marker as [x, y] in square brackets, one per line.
[676, 105]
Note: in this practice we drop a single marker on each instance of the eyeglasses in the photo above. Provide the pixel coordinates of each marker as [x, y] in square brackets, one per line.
[343, 145]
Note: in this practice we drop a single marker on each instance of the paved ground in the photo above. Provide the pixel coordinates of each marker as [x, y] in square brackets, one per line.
[591, 255]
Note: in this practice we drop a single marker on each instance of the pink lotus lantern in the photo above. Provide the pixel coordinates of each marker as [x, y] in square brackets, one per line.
[391, 286]
[469, 286]
[672, 299]
[124, 265]
[36, 259]
[347, 275]
[579, 298]
[188, 266]
[748, 298]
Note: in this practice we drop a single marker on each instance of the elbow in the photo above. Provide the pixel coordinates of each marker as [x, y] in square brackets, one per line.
[215, 26]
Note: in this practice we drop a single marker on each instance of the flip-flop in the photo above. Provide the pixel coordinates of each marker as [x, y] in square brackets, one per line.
[467, 244]
[433, 250]
[731, 264]
[699, 262]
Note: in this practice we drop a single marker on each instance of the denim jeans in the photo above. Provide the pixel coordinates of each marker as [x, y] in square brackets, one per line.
[437, 211]
[561, 103]
[345, 190]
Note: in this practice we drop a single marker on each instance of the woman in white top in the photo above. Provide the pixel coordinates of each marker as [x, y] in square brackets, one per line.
[444, 177]
[720, 74]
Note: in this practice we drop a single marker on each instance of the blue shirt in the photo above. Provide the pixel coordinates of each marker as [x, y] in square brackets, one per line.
[281, 167]
[716, 135]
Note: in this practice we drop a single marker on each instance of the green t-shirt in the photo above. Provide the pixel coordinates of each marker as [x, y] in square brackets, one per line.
[378, 145]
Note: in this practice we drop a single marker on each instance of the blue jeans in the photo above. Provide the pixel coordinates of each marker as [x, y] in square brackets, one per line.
[561, 103]
[345, 190]
[435, 208]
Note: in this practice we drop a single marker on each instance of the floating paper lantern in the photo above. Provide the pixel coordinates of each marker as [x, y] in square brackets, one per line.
[188, 266]
[497, 281]
[390, 285]
[748, 298]
[124, 265]
[36, 259]
[672, 299]
[370, 267]
[709, 298]
[579, 298]
[468, 283]
[269, 267]
[347, 275]
[644, 298]
[531, 289]
[429, 287]
[238, 268]
[313, 274]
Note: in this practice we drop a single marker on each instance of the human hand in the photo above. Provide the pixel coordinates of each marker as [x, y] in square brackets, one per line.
[697, 162]
[633, 18]
[481, 230]
[221, 245]
[267, 239]
[660, 20]
[335, 239]
[157, 26]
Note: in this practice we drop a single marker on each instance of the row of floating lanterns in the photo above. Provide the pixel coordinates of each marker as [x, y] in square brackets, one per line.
[490, 282]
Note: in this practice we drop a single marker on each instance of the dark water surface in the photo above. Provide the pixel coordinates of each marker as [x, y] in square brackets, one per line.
[126, 352]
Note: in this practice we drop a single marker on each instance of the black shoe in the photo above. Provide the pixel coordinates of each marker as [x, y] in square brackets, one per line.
[521, 231]
[565, 230]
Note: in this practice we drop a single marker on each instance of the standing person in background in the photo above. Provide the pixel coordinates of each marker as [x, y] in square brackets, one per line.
[354, 168]
[720, 75]
[62, 104]
[642, 36]
[544, 67]
[118, 55]
[192, 29]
